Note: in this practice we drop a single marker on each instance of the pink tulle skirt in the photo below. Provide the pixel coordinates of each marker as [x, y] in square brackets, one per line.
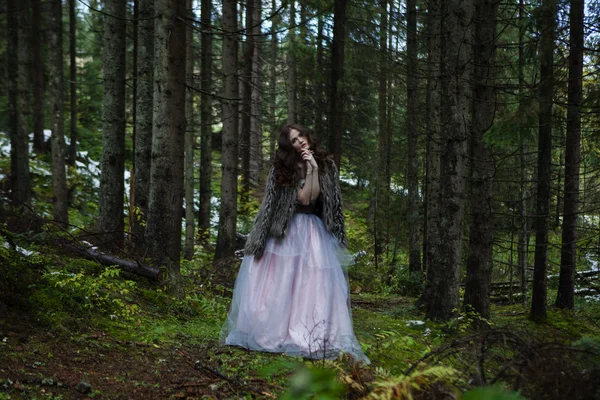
[295, 298]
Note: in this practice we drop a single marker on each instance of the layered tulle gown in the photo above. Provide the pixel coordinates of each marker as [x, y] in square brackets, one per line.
[295, 298]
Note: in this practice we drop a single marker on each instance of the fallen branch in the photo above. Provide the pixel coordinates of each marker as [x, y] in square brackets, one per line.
[126, 265]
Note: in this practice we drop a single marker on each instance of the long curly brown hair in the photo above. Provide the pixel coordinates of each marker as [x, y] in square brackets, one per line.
[286, 158]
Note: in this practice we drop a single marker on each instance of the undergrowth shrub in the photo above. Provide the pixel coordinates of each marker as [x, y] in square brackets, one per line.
[82, 295]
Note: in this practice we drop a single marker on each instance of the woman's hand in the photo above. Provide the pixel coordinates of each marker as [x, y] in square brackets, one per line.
[311, 164]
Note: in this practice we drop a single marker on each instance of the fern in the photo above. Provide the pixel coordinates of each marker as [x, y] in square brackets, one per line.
[405, 386]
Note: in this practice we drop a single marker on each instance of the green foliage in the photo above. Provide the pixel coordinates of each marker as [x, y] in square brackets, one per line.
[85, 295]
[491, 393]
[314, 383]
[467, 319]
[406, 386]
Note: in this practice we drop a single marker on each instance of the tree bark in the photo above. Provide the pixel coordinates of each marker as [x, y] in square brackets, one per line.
[19, 25]
[246, 82]
[524, 224]
[337, 76]
[163, 233]
[456, 56]
[382, 187]
[568, 259]
[481, 240]
[320, 127]
[291, 57]
[73, 84]
[206, 124]
[273, 79]
[412, 84]
[112, 165]
[255, 100]
[433, 106]
[56, 74]
[142, 151]
[38, 76]
[188, 251]
[546, 90]
[228, 210]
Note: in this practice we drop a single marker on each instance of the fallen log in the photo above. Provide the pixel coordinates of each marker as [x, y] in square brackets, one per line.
[134, 267]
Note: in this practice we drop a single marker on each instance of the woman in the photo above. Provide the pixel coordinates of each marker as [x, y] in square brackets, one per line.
[291, 294]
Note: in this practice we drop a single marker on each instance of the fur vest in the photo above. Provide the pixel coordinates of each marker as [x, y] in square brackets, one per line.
[279, 205]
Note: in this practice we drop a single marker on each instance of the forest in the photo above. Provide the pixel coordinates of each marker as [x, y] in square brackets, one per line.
[136, 137]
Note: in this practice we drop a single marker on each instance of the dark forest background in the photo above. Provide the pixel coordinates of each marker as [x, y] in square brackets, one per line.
[139, 133]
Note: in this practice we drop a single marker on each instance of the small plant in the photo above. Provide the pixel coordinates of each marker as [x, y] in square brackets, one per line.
[106, 293]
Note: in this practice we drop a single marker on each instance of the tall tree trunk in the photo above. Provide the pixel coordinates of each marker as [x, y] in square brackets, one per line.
[481, 241]
[112, 165]
[246, 82]
[546, 90]
[432, 158]
[38, 76]
[292, 79]
[273, 79]
[304, 111]
[337, 76]
[188, 251]
[56, 74]
[206, 123]
[412, 84]
[320, 127]
[228, 210]
[19, 25]
[73, 86]
[163, 232]
[382, 187]
[568, 259]
[255, 127]
[134, 94]
[456, 55]
[142, 150]
[524, 225]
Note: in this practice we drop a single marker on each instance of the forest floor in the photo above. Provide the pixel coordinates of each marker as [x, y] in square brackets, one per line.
[156, 362]
[162, 356]
[73, 329]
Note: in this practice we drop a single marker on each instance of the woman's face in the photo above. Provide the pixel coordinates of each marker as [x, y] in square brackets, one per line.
[298, 140]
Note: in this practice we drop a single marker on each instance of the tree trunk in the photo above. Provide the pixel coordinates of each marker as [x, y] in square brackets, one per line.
[306, 71]
[382, 187]
[432, 159]
[228, 210]
[206, 124]
[320, 127]
[112, 165]
[19, 74]
[524, 224]
[412, 84]
[56, 74]
[143, 122]
[337, 76]
[38, 76]
[163, 233]
[255, 127]
[273, 79]
[481, 241]
[456, 54]
[291, 55]
[246, 82]
[73, 86]
[188, 251]
[546, 89]
[568, 259]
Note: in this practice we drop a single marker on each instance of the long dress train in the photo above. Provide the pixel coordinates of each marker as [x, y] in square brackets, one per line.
[295, 298]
